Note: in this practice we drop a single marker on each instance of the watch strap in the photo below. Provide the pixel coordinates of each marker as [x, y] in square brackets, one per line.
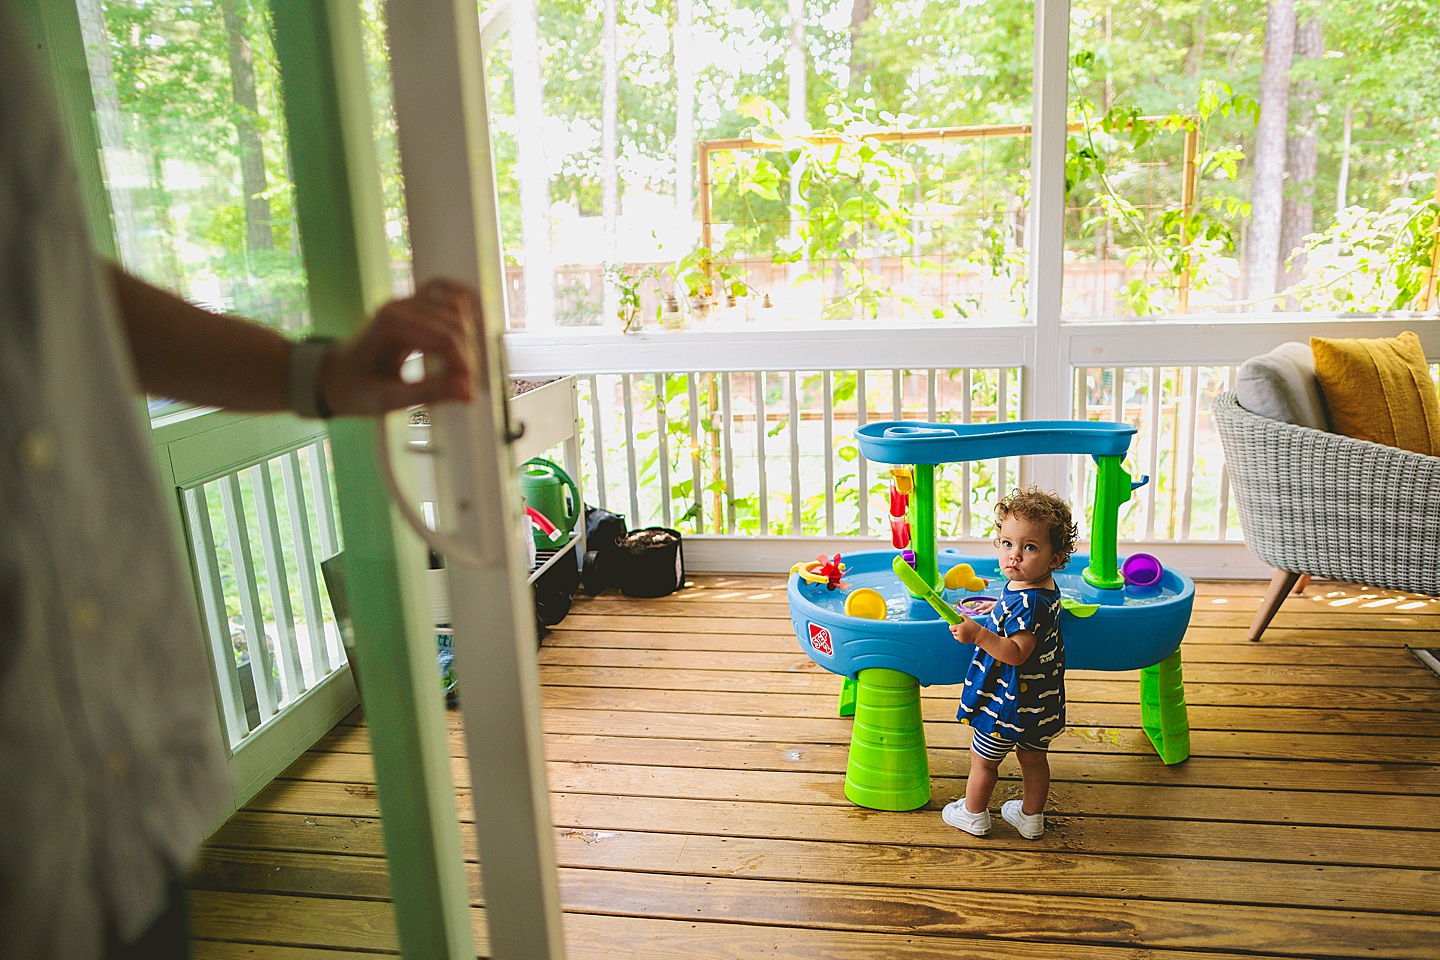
[306, 358]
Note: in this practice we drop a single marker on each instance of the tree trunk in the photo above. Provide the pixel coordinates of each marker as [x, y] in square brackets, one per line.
[247, 106]
[1342, 183]
[1268, 184]
[609, 121]
[531, 168]
[860, 11]
[1195, 56]
[1301, 154]
[121, 166]
[684, 122]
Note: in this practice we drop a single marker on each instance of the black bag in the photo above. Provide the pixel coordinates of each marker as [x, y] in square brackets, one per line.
[555, 588]
[602, 556]
[652, 562]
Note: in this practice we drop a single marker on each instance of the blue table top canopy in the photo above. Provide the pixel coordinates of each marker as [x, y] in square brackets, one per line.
[915, 441]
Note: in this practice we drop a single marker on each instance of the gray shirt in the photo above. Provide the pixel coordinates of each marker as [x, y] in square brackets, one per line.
[112, 768]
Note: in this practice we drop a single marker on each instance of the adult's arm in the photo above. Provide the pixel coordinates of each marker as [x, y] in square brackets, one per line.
[188, 353]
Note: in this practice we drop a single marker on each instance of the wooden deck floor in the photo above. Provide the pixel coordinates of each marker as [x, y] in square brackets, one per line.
[696, 765]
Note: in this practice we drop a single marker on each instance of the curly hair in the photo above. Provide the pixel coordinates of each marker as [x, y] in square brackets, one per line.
[1037, 506]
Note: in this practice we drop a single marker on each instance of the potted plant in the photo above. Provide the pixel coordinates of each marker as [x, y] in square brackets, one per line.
[628, 285]
[708, 278]
[694, 273]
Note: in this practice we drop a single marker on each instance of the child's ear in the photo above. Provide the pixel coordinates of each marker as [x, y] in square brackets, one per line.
[1056, 562]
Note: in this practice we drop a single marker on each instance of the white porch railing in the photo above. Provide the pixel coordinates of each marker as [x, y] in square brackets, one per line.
[798, 485]
[267, 649]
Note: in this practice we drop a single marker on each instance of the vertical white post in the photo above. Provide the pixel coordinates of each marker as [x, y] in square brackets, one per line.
[763, 488]
[573, 467]
[662, 451]
[1192, 416]
[242, 561]
[1152, 502]
[966, 413]
[1002, 413]
[290, 673]
[598, 433]
[697, 489]
[324, 503]
[727, 428]
[794, 388]
[634, 473]
[212, 601]
[305, 566]
[444, 138]
[862, 472]
[1046, 383]
[828, 403]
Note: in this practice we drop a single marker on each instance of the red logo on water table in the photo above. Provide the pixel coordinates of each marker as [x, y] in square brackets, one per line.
[820, 640]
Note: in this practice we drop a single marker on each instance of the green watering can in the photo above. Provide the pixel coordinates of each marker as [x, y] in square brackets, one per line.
[550, 492]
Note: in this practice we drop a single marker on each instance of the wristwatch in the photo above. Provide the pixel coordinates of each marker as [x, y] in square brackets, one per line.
[306, 357]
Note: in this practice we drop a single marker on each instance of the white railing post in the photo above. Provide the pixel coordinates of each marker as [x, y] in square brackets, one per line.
[829, 414]
[634, 471]
[324, 505]
[212, 602]
[795, 523]
[291, 675]
[764, 491]
[599, 439]
[305, 566]
[1045, 384]
[697, 489]
[242, 562]
[727, 451]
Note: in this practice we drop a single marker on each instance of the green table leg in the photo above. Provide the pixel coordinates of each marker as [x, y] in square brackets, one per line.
[888, 768]
[847, 698]
[1162, 709]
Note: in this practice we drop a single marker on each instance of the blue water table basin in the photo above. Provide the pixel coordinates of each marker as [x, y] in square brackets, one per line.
[897, 641]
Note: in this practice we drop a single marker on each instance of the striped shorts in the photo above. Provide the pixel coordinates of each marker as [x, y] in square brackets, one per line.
[995, 748]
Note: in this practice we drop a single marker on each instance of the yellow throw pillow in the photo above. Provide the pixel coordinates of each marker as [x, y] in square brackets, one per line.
[1380, 390]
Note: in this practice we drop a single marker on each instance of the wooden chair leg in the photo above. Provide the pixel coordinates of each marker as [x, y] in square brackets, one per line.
[1304, 582]
[1280, 585]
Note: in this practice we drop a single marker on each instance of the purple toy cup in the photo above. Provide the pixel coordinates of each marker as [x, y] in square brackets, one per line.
[1141, 570]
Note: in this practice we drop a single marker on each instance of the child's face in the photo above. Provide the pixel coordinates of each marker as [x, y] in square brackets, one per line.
[1025, 552]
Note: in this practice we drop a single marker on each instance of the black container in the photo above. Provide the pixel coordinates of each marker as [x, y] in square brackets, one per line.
[603, 530]
[654, 566]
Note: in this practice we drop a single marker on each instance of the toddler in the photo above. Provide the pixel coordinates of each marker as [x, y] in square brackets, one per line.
[1014, 694]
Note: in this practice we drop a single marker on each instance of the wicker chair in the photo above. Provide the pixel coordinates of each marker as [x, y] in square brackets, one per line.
[1322, 504]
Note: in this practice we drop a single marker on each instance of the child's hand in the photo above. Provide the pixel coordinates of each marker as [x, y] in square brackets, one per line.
[979, 607]
[962, 631]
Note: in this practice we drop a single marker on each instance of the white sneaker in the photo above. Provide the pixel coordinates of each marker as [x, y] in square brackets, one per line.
[956, 814]
[1030, 825]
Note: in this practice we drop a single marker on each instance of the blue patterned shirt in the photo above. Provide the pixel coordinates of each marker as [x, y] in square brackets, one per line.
[1007, 701]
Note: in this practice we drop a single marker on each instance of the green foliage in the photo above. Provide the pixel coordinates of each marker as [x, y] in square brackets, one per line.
[1372, 260]
[1179, 243]
[853, 207]
[173, 81]
[628, 282]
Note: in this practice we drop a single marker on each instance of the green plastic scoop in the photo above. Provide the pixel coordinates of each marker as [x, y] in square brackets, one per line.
[916, 584]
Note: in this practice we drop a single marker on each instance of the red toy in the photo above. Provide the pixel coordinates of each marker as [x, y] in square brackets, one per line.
[832, 570]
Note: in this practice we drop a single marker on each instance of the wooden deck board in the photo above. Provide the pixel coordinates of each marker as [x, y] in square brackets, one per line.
[696, 766]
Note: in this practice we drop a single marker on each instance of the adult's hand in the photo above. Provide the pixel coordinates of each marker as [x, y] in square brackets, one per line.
[361, 375]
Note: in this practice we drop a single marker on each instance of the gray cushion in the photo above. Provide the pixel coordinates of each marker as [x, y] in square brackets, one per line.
[1281, 385]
